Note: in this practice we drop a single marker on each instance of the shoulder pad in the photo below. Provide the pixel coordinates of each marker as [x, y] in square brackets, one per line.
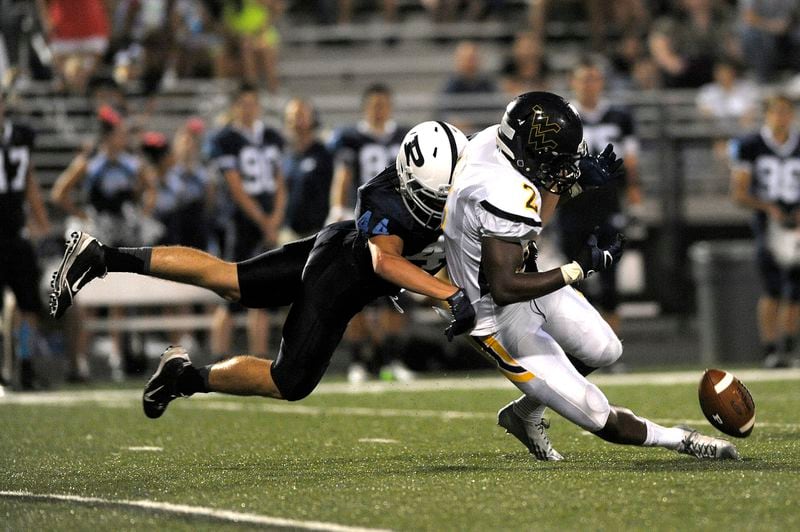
[512, 197]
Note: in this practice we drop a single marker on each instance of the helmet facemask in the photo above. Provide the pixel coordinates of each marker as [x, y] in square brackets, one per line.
[558, 174]
[425, 205]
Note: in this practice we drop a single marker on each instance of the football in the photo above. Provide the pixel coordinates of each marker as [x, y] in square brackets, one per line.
[727, 403]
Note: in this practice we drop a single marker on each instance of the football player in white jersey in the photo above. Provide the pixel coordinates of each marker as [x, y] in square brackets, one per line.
[541, 334]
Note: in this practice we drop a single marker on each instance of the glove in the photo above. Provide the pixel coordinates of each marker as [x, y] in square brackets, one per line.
[592, 258]
[529, 255]
[600, 170]
[462, 315]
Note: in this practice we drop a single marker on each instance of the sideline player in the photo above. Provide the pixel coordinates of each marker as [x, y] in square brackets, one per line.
[765, 179]
[507, 185]
[326, 278]
[18, 267]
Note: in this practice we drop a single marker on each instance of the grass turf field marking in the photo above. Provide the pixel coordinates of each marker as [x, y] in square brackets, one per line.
[145, 448]
[195, 511]
[377, 440]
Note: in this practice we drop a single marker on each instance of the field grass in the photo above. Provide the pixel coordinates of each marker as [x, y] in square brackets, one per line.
[401, 460]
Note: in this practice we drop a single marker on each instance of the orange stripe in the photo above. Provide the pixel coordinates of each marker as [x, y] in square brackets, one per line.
[495, 347]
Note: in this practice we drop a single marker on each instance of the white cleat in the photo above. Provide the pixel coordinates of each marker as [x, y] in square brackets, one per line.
[532, 435]
[707, 447]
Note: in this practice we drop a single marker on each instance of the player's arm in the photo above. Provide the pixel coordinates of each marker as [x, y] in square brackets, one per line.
[389, 264]
[33, 194]
[340, 188]
[741, 195]
[61, 194]
[501, 261]
[148, 188]
[249, 206]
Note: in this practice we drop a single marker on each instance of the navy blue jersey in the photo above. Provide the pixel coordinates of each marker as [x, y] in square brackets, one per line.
[256, 155]
[604, 125]
[382, 211]
[110, 183]
[15, 159]
[365, 154]
[308, 177]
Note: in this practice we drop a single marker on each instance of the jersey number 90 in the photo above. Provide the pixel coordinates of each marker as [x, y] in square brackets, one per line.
[258, 169]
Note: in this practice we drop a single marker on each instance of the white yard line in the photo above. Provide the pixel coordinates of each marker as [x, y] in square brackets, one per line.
[184, 509]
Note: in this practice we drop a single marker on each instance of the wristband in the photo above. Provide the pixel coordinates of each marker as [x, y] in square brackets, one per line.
[572, 272]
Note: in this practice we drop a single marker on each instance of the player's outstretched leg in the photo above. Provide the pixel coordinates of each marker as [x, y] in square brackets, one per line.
[529, 427]
[83, 261]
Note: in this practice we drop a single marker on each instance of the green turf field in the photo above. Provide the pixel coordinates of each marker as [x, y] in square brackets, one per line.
[430, 459]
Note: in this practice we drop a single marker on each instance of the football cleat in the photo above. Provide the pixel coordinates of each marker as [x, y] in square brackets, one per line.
[83, 261]
[532, 435]
[700, 446]
[162, 387]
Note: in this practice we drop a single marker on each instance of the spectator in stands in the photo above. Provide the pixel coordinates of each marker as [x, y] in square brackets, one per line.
[251, 23]
[199, 42]
[360, 153]
[764, 179]
[603, 123]
[525, 69]
[308, 169]
[646, 76]
[628, 51]
[78, 32]
[341, 11]
[19, 269]
[467, 81]
[768, 38]
[686, 46]
[729, 98]
[249, 155]
[118, 196]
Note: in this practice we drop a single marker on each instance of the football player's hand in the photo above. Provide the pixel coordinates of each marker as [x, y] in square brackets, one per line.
[462, 315]
[600, 170]
[592, 258]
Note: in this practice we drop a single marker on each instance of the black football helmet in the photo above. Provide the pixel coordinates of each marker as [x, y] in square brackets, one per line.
[542, 135]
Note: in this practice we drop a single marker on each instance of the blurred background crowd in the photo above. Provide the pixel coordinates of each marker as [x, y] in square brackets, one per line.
[129, 98]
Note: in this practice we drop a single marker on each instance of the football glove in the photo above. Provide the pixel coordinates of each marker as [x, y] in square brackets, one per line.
[462, 315]
[592, 258]
[600, 170]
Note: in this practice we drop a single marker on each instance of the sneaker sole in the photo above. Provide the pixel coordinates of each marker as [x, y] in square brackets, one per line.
[151, 408]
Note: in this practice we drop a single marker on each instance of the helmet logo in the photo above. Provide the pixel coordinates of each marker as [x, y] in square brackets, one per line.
[414, 152]
[541, 126]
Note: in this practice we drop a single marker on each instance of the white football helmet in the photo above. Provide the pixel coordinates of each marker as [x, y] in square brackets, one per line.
[425, 165]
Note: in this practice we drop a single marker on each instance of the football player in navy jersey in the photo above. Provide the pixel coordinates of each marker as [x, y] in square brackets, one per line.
[308, 169]
[603, 124]
[248, 154]
[18, 267]
[766, 179]
[327, 278]
[360, 152]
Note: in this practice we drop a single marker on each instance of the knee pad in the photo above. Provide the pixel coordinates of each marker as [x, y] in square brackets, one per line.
[598, 408]
[611, 352]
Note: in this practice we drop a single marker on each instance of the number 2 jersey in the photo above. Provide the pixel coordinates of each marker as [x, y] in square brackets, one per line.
[774, 167]
[15, 157]
[488, 198]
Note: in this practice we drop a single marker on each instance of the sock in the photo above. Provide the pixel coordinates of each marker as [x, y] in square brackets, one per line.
[658, 436]
[787, 344]
[770, 348]
[194, 380]
[133, 260]
[528, 409]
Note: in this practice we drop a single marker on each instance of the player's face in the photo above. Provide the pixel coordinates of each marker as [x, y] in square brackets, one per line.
[118, 138]
[587, 83]
[299, 117]
[779, 115]
[378, 108]
[248, 107]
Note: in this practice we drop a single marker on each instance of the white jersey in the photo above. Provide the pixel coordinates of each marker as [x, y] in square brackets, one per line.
[488, 198]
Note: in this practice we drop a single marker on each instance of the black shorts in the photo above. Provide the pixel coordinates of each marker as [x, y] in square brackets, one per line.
[20, 272]
[326, 284]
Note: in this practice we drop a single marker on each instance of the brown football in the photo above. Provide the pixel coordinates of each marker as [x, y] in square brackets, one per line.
[727, 403]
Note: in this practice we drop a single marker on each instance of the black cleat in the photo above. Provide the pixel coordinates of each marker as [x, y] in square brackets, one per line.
[83, 261]
[163, 385]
